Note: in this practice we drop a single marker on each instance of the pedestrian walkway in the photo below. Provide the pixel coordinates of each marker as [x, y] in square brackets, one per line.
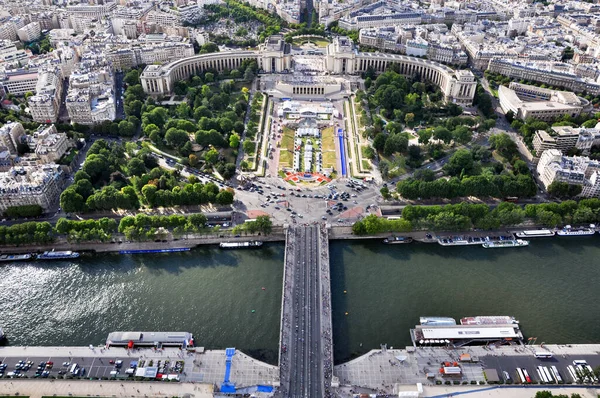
[97, 388]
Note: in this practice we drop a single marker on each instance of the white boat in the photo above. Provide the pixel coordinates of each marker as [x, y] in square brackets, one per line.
[536, 233]
[460, 241]
[15, 257]
[437, 321]
[505, 243]
[488, 320]
[236, 245]
[577, 231]
[57, 255]
[397, 240]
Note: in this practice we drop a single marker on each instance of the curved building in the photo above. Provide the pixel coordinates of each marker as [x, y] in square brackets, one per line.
[342, 58]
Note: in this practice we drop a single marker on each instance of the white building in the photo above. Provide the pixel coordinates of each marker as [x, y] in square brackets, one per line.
[565, 138]
[44, 106]
[30, 185]
[49, 145]
[90, 99]
[30, 32]
[18, 82]
[10, 136]
[573, 170]
[530, 101]
[549, 73]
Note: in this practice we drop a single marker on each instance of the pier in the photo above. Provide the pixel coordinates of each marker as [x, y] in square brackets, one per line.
[305, 349]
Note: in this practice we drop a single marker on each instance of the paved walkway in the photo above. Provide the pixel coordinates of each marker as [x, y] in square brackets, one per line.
[39, 388]
[504, 392]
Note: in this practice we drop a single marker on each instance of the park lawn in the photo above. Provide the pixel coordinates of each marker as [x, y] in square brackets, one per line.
[366, 165]
[286, 159]
[316, 40]
[327, 139]
[329, 160]
[287, 139]
[228, 154]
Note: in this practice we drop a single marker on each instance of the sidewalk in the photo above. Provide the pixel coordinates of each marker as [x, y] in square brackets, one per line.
[82, 388]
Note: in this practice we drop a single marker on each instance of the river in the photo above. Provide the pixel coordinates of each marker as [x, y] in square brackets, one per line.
[549, 286]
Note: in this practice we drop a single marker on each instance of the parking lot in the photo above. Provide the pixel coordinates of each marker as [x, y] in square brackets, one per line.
[61, 366]
[530, 363]
[86, 366]
[381, 370]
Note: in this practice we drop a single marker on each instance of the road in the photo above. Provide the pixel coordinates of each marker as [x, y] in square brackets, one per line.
[301, 360]
[120, 110]
[502, 125]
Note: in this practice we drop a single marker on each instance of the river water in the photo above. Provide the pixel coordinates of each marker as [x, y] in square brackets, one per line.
[550, 286]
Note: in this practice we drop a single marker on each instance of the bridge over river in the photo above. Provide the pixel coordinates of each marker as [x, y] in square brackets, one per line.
[305, 349]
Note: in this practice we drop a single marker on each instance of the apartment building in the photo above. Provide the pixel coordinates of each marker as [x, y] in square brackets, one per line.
[565, 138]
[573, 170]
[44, 106]
[550, 73]
[31, 185]
[48, 144]
[10, 136]
[30, 32]
[90, 99]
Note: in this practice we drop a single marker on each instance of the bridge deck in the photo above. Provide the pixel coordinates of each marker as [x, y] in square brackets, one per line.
[305, 348]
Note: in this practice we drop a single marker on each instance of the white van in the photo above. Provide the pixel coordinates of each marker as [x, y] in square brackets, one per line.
[579, 362]
[73, 368]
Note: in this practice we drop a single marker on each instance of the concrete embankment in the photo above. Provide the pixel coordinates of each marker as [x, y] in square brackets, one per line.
[277, 235]
[99, 247]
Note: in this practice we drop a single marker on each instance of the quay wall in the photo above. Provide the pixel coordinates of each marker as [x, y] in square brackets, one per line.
[278, 235]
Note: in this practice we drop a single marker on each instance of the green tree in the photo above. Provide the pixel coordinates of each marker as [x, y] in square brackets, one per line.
[132, 77]
[234, 141]
[211, 156]
[504, 145]
[176, 138]
[461, 162]
[71, 201]
[249, 146]
[136, 167]
[442, 134]
[225, 197]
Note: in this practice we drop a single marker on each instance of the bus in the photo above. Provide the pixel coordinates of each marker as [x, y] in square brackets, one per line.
[548, 376]
[521, 376]
[556, 374]
[512, 199]
[573, 374]
[527, 378]
[543, 355]
[394, 218]
[543, 375]
[590, 372]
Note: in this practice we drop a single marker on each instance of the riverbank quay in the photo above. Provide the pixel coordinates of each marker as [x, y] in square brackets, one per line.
[96, 388]
[385, 370]
[190, 242]
[200, 366]
[506, 391]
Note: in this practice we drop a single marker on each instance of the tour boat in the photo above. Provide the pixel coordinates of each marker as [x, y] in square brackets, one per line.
[57, 255]
[240, 245]
[505, 243]
[15, 257]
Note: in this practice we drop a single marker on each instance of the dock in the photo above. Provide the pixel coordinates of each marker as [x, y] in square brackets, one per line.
[150, 339]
